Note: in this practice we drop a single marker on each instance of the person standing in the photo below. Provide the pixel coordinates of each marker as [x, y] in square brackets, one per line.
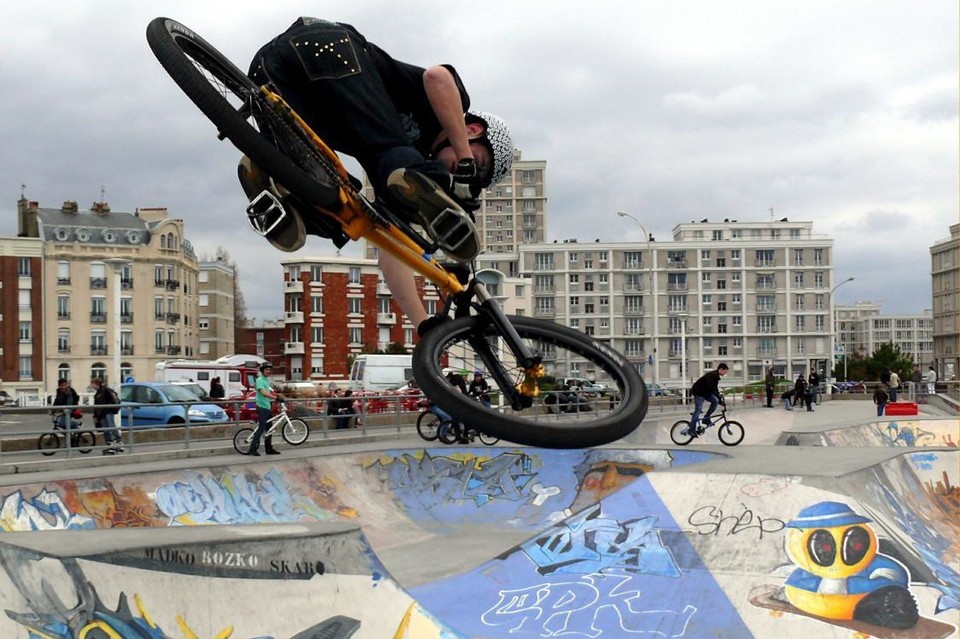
[932, 378]
[707, 388]
[814, 379]
[799, 389]
[216, 389]
[769, 384]
[917, 379]
[894, 385]
[103, 418]
[264, 397]
[880, 399]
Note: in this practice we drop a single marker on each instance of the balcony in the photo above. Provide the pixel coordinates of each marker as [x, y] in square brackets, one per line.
[63, 348]
[633, 287]
[387, 318]
[766, 351]
[63, 281]
[546, 266]
[764, 263]
[293, 317]
[676, 310]
[173, 350]
[293, 348]
[633, 331]
[293, 286]
[544, 290]
[677, 264]
[677, 286]
[159, 316]
[126, 350]
[98, 282]
[632, 265]
[63, 316]
[172, 318]
[98, 318]
[171, 285]
[98, 349]
[545, 312]
[766, 308]
[766, 329]
[126, 282]
[632, 311]
[766, 285]
[158, 282]
[126, 318]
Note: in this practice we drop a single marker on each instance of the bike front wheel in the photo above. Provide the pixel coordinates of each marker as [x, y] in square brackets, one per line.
[48, 443]
[241, 440]
[235, 104]
[428, 426]
[295, 432]
[677, 433]
[487, 440]
[730, 433]
[449, 433]
[474, 342]
[819, 398]
[83, 441]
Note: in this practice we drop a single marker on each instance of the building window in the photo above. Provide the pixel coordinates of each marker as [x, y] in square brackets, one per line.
[63, 307]
[356, 335]
[203, 324]
[204, 300]
[316, 304]
[23, 267]
[25, 332]
[354, 305]
[354, 275]
[99, 370]
[316, 335]
[63, 272]
[25, 367]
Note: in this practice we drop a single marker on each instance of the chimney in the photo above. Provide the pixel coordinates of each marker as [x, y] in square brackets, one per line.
[70, 206]
[100, 208]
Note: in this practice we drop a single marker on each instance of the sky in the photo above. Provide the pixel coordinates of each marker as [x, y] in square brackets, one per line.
[840, 113]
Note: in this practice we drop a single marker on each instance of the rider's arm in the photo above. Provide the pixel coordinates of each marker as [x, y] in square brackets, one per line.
[444, 97]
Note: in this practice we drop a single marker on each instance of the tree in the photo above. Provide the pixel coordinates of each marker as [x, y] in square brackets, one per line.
[888, 355]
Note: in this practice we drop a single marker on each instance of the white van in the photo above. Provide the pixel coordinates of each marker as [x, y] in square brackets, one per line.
[380, 372]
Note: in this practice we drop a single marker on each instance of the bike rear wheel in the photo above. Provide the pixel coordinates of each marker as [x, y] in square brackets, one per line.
[235, 104]
[48, 443]
[241, 440]
[819, 398]
[730, 433]
[562, 348]
[677, 433]
[428, 426]
[295, 432]
[487, 440]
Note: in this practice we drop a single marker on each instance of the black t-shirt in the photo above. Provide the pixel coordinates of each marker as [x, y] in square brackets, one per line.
[404, 83]
[707, 385]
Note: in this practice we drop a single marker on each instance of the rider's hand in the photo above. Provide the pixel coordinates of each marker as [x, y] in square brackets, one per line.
[466, 185]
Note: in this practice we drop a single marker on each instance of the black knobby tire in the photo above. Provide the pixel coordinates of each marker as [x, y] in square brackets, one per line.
[48, 443]
[428, 426]
[730, 433]
[295, 432]
[487, 440]
[676, 433]
[594, 428]
[240, 443]
[220, 89]
[83, 441]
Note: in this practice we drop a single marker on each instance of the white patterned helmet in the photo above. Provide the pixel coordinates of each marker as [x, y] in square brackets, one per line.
[498, 140]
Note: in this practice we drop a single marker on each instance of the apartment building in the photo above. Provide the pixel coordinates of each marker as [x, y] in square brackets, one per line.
[863, 327]
[336, 308]
[21, 317]
[119, 290]
[751, 294]
[216, 310]
[265, 339]
[513, 212]
[945, 282]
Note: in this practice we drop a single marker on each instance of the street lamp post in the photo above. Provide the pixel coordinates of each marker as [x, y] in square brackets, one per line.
[653, 294]
[833, 329]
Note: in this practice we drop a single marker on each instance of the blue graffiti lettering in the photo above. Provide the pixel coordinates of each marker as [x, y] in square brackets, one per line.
[44, 511]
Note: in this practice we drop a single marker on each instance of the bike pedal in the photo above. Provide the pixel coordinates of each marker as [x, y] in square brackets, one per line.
[452, 230]
[265, 212]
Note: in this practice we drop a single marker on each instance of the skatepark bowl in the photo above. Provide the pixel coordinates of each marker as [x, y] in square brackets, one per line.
[828, 524]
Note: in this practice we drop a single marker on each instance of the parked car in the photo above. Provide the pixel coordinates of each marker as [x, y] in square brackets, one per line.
[586, 386]
[656, 390]
[162, 404]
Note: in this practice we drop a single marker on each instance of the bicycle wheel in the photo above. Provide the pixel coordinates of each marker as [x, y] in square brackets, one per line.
[83, 441]
[676, 433]
[428, 426]
[487, 440]
[562, 349]
[241, 440]
[449, 432]
[295, 432]
[235, 104]
[730, 433]
[819, 398]
[48, 443]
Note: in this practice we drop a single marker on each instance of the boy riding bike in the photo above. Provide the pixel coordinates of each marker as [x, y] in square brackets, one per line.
[407, 126]
[707, 388]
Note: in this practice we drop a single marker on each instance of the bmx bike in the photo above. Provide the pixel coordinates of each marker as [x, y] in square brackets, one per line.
[729, 432]
[80, 440]
[516, 351]
[431, 427]
[293, 431]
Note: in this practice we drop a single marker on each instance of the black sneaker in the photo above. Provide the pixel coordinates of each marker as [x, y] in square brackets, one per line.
[273, 452]
[442, 218]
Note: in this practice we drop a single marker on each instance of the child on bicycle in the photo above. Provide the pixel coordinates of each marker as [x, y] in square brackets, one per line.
[408, 127]
[707, 388]
[66, 396]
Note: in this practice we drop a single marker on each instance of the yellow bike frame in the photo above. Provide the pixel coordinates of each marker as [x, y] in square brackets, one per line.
[356, 223]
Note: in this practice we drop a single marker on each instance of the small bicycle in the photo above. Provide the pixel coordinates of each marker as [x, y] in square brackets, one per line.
[80, 440]
[293, 431]
[729, 431]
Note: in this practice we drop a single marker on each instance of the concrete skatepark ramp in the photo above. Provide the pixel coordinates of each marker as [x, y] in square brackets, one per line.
[496, 542]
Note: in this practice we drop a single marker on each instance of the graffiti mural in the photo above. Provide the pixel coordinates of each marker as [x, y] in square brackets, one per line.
[43, 511]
